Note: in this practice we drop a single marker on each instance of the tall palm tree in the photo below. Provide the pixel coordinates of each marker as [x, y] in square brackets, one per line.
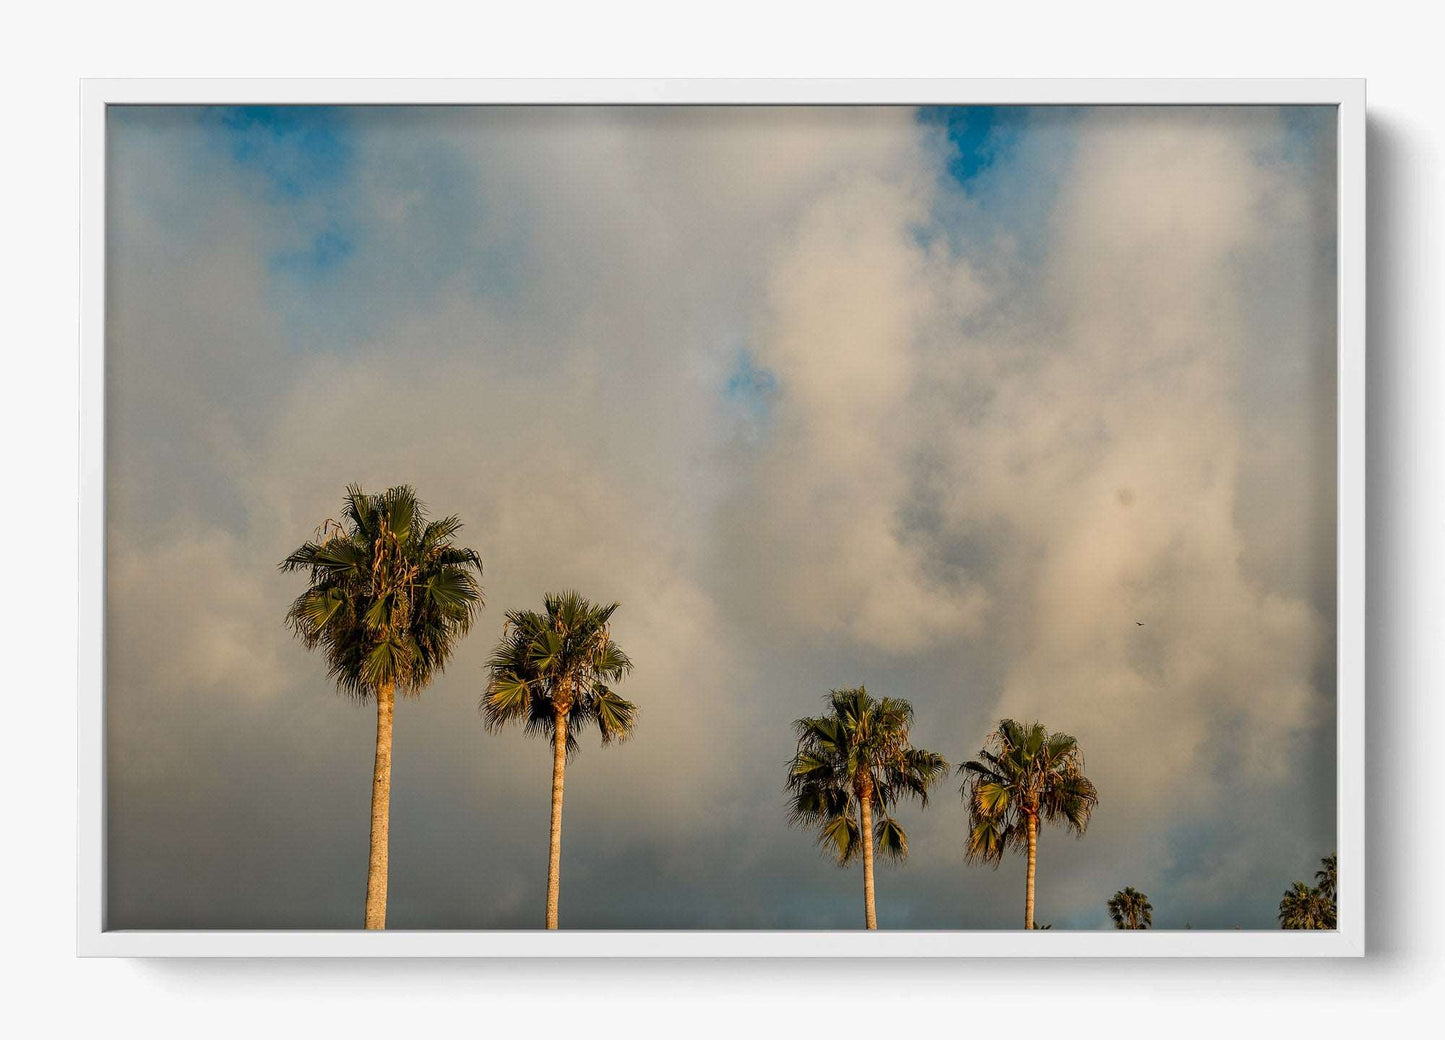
[553, 672]
[1131, 910]
[852, 762]
[390, 595]
[1025, 776]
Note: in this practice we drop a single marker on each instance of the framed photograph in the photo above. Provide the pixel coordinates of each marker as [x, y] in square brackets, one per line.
[722, 518]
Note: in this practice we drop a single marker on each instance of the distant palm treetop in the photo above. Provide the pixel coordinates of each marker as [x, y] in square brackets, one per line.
[1130, 910]
[1312, 909]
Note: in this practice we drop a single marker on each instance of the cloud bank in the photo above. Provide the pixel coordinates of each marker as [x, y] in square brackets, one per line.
[822, 396]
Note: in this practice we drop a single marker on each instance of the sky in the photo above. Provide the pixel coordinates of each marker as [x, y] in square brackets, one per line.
[937, 401]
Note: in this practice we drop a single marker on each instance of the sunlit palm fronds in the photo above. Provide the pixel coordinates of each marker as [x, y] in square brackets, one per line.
[389, 593]
[859, 748]
[1023, 772]
[562, 658]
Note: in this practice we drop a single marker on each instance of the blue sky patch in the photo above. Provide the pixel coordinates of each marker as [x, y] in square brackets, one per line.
[300, 159]
[298, 149]
[978, 134]
[751, 390]
[1304, 125]
[326, 251]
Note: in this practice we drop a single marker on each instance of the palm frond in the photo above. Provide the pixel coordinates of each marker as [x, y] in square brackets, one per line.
[839, 836]
[988, 837]
[891, 839]
[615, 716]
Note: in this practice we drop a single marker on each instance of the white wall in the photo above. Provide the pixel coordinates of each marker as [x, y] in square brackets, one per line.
[50, 47]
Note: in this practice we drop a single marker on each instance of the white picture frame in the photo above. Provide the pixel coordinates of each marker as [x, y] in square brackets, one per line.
[1346, 95]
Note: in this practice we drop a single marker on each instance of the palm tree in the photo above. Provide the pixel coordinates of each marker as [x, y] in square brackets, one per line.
[389, 597]
[553, 672]
[851, 762]
[1312, 908]
[1326, 877]
[1025, 776]
[1131, 910]
[1304, 908]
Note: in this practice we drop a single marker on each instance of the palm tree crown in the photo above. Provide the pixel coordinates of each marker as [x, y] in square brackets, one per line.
[858, 756]
[1303, 907]
[561, 662]
[1131, 910]
[1023, 772]
[390, 594]
[859, 749]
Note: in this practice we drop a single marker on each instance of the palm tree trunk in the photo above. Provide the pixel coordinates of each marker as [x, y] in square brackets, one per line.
[1033, 858]
[554, 859]
[870, 915]
[380, 810]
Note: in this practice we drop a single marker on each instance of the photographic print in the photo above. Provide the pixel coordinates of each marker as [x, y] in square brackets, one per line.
[756, 518]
